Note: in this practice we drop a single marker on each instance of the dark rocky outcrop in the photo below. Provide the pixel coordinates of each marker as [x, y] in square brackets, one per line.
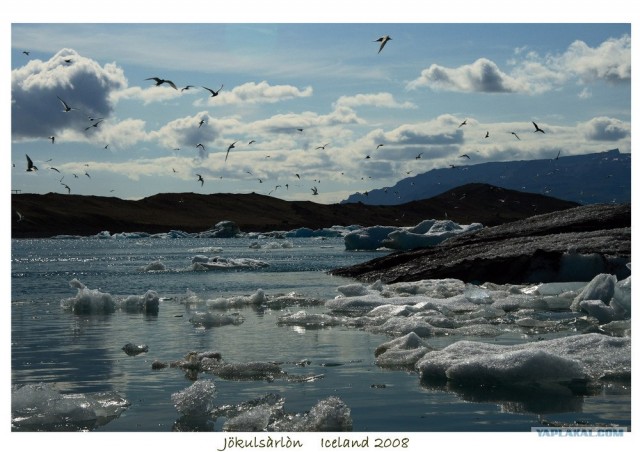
[570, 245]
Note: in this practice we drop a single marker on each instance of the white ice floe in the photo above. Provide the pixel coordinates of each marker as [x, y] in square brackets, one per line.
[204, 263]
[562, 360]
[285, 244]
[210, 320]
[93, 301]
[309, 320]
[426, 234]
[197, 399]
[41, 406]
[154, 266]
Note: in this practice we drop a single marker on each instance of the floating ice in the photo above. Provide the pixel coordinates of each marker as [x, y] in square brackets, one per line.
[426, 234]
[148, 303]
[41, 407]
[601, 287]
[154, 266]
[197, 399]
[89, 301]
[223, 263]
[403, 351]
[271, 245]
[255, 370]
[307, 320]
[209, 320]
[581, 357]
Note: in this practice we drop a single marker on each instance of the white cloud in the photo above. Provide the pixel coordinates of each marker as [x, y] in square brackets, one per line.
[605, 129]
[257, 93]
[483, 75]
[81, 82]
[610, 61]
[384, 100]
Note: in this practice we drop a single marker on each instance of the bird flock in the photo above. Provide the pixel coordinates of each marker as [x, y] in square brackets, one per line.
[94, 123]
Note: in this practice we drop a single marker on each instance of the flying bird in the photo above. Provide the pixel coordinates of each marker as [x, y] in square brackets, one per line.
[200, 123]
[95, 124]
[20, 216]
[55, 169]
[557, 156]
[25, 52]
[487, 135]
[68, 60]
[200, 145]
[383, 41]
[515, 135]
[299, 130]
[379, 146]
[231, 146]
[187, 87]
[213, 93]
[87, 174]
[53, 139]
[463, 123]
[30, 165]
[538, 129]
[323, 146]
[314, 190]
[66, 106]
[419, 156]
[200, 179]
[465, 156]
[160, 81]
[67, 187]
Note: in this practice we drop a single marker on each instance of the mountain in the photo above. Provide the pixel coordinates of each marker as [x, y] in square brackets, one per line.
[58, 214]
[597, 178]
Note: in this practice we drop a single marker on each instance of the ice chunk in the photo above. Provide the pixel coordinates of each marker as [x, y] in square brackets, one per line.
[328, 415]
[249, 371]
[89, 301]
[197, 399]
[40, 406]
[369, 238]
[303, 318]
[154, 266]
[209, 320]
[148, 303]
[601, 287]
[353, 290]
[598, 357]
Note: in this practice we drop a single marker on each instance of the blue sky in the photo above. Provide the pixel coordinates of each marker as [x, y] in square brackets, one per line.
[306, 72]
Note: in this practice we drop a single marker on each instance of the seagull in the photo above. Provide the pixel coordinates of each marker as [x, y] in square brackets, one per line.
[95, 124]
[379, 146]
[25, 52]
[55, 169]
[538, 129]
[160, 81]
[213, 93]
[252, 141]
[314, 190]
[106, 146]
[515, 135]
[299, 130]
[419, 156]
[297, 175]
[67, 187]
[557, 156]
[68, 60]
[187, 87]
[200, 123]
[174, 170]
[200, 179]
[382, 40]
[30, 165]
[231, 146]
[322, 147]
[465, 156]
[53, 139]
[487, 135]
[463, 123]
[87, 174]
[67, 108]
[200, 145]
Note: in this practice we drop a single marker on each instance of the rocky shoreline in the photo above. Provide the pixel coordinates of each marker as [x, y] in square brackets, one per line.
[569, 245]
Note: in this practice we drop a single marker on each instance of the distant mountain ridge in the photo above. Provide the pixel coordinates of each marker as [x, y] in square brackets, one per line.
[602, 177]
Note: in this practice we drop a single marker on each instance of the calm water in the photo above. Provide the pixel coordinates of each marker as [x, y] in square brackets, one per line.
[84, 353]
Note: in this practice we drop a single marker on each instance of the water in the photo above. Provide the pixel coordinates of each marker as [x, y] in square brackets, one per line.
[83, 353]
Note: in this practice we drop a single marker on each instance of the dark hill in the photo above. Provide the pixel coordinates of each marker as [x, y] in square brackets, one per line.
[57, 214]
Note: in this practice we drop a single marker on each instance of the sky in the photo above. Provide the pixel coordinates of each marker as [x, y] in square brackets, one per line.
[309, 104]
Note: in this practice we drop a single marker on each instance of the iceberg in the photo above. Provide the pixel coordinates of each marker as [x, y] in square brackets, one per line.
[41, 407]
[197, 399]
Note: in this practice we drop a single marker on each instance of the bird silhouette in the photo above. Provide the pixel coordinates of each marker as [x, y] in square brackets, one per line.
[20, 216]
[160, 81]
[252, 141]
[383, 41]
[323, 146]
[25, 52]
[66, 106]
[419, 156]
[200, 123]
[187, 87]
[515, 135]
[487, 135]
[30, 165]
[95, 124]
[314, 190]
[67, 187]
[200, 179]
[465, 156]
[557, 156]
[299, 130]
[53, 139]
[538, 129]
[213, 93]
[379, 146]
[463, 123]
[231, 146]
[55, 169]
[87, 174]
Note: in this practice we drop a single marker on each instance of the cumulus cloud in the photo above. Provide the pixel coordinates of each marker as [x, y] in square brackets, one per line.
[610, 61]
[605, 129]
[483, 75]
[533, 73]
[384, 100]
[81, 82]
[257, 93]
